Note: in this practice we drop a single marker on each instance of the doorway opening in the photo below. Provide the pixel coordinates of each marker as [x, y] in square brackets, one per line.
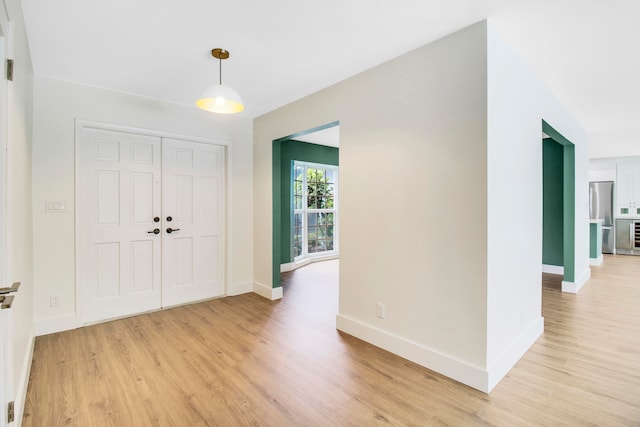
[316, 146]
[314, 287]
[558, 206]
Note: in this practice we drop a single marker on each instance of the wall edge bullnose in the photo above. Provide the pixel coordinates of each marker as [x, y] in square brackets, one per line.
[508, 359]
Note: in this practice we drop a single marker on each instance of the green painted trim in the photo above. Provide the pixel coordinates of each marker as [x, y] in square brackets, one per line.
[554, 134]
[569, 205]
[281, 195]
[569, 212]
[277, 212]
[552, 203]
[595, 240]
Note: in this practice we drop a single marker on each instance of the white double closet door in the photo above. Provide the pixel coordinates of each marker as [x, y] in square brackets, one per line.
[150, 218]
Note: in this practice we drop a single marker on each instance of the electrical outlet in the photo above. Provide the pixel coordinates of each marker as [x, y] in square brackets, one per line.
[380, 310]
[54, 300]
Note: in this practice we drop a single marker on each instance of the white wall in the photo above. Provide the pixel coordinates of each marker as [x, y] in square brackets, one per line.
[57, 105]
[20, 245]
[440, 196]
[518, 102]
[412, 201]
[614, 143]
[608, 147]
[602, 169]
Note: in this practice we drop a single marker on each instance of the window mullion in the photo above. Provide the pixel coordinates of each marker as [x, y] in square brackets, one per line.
[305, 195]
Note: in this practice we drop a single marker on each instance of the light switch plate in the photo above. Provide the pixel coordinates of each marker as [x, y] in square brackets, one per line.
[55, 206]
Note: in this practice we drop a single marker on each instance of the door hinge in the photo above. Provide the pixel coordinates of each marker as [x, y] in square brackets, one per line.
[10, 70]
[11, 415]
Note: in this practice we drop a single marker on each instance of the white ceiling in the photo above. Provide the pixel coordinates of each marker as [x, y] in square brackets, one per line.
[329, 136]
[282, 50]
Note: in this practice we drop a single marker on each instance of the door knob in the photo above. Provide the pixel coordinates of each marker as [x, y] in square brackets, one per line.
[171, 230]
[169, 219]
[156, 219]
[6, 301]
[154, 231]
[13, 288]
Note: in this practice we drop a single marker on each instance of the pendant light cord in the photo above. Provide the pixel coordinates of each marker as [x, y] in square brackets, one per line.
[220, 74]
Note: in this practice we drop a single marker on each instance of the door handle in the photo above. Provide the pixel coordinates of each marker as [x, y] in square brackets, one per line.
[6, 301]
[7, 290]
[154, 231]
[171, 230]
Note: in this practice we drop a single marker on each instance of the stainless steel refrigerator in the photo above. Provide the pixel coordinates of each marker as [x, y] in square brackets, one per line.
[601, 207]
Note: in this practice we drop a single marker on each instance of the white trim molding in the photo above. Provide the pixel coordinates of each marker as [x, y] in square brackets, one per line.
[239, 288]
[473, 376]
[553, 269]
[267, 291]
[23, 381]
[51, 325]
[290, 266]
[596, 261]
[507, 360]
[574, 287]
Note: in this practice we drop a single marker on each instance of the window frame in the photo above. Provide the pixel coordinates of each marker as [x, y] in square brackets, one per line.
[305, 211]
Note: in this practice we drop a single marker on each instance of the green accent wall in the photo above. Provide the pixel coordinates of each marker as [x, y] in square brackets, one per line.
[595, 240]
[552, 203]
[569, 200]
[569, 159]
[285, 152]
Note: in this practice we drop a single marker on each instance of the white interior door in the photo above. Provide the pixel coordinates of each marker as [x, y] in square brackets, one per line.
[6, 332]
[193, 176]
[5, 372]
[120, 257]
[135, 190]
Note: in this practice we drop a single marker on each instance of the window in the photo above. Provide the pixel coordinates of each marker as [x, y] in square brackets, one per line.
[314, 210]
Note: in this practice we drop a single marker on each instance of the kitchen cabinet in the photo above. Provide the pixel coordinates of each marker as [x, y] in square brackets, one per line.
[628, 189]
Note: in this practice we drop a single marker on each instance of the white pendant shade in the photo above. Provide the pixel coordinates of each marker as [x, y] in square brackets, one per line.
[220, 98]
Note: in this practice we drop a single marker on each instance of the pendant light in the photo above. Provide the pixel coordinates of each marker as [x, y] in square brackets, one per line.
[220, 98]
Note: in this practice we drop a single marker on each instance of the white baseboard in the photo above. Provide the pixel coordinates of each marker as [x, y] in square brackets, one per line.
[553, 269]
[240, 288]
[23, 381]
[473, 376]
[290, 266]
[72, 321]
[596, 261]
[574, 287]
[507, 360]
[57, 324]
[267, 291]
[444, 364]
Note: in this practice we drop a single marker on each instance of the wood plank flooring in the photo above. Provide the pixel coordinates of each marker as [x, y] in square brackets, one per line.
[248, 361]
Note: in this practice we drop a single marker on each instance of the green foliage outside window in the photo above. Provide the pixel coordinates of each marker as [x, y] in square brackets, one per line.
[320, 195]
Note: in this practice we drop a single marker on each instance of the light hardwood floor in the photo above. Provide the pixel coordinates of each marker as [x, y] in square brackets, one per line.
[248, 361]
